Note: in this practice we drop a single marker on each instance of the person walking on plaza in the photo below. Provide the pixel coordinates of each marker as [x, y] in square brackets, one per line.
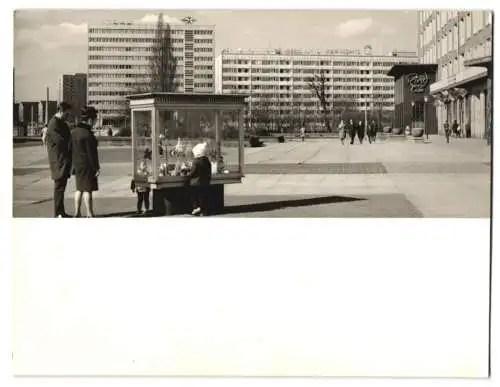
[372, 131]
[361, 131]
[302, 133]
[446, 127]
[86, 166]
[352, 128]
[44, 135]
[454, 128]
[342, 131]
[58, 142]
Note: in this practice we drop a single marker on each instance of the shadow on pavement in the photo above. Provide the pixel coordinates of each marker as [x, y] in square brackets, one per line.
[280, 204]
[125, 214]
[253, 207]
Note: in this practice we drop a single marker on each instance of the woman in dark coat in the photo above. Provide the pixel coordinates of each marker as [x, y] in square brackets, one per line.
[85, 161]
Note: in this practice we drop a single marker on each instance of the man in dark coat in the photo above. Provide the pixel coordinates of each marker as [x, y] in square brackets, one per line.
[454, 128]
[86, 166]
[361, 131]
[446, 127]
[58, 141]
[351, 127]
[372, 131]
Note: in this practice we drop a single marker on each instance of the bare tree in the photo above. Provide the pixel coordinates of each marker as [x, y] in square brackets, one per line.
[163, 63]
[317, 84]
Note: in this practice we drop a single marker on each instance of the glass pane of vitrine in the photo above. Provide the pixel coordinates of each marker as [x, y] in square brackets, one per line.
[178, 132]
[142, 132]
[229, 142]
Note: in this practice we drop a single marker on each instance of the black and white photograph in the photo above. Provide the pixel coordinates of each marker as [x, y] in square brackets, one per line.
[275, 192]
[130, 113]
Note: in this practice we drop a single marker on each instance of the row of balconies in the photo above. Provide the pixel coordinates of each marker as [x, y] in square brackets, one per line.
[314, 98]
[349, 80]
[315, 69]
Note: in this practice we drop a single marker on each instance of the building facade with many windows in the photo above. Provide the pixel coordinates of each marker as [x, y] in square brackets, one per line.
[278, 83]
[460, 43]
[72, 88]
[119, 63]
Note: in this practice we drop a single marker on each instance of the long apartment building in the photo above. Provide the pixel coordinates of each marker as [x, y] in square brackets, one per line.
[354, 79]
[118, 63]
[460, 43]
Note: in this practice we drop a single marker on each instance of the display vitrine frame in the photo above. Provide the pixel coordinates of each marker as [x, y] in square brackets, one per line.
[155, 103]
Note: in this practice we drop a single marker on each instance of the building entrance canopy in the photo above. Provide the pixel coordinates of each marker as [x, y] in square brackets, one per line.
[468, 75]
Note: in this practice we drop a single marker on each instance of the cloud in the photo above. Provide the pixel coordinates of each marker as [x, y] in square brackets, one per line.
[53, 36]
[388, 30]
[153, 18]
[353, 27]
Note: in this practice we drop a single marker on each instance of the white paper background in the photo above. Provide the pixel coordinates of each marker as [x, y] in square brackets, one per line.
[415, 299]
[328, 305]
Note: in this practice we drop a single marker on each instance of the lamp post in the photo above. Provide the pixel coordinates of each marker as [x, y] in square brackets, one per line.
[366, 113]
[426, 98]
[412, 112]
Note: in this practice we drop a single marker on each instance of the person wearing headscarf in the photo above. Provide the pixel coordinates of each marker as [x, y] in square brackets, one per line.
[201, 170]
[57, 139]
[86, 166]
[342, 131]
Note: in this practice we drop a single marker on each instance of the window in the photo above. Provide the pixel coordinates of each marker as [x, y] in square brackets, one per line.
[418, 112]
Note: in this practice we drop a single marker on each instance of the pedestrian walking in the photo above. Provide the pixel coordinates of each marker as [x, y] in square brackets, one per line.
[454, 128]
[342, 131]
[361, 131]
[86, 166]
[44, 135]
[302, 133]
[58, 142]
[352, 128]
[372, 131]
[446, 127]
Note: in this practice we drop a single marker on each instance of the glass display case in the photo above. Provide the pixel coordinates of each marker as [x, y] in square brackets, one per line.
[166, 127]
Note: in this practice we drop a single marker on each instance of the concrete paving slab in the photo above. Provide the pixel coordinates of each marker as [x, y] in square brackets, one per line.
[439, 179]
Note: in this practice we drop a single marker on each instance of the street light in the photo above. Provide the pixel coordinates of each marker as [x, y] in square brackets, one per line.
[426, 98]
[412, 113]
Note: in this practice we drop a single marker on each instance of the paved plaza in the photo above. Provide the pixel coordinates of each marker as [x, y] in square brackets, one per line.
[315, 178]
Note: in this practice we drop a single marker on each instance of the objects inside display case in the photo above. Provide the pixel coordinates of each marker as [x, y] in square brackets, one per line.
[170, 125]
[143, 167]
[181, 131]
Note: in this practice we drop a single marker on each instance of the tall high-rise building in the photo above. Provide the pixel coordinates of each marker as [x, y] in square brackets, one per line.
[354, 80]
[460, 43]
[119, 63]
[72, 88]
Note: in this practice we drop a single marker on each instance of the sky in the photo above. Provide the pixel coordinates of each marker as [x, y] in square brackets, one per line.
[48, 43]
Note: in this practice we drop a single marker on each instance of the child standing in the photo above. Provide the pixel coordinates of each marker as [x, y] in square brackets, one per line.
[302, 133]
[142, 191]
[202, 171]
